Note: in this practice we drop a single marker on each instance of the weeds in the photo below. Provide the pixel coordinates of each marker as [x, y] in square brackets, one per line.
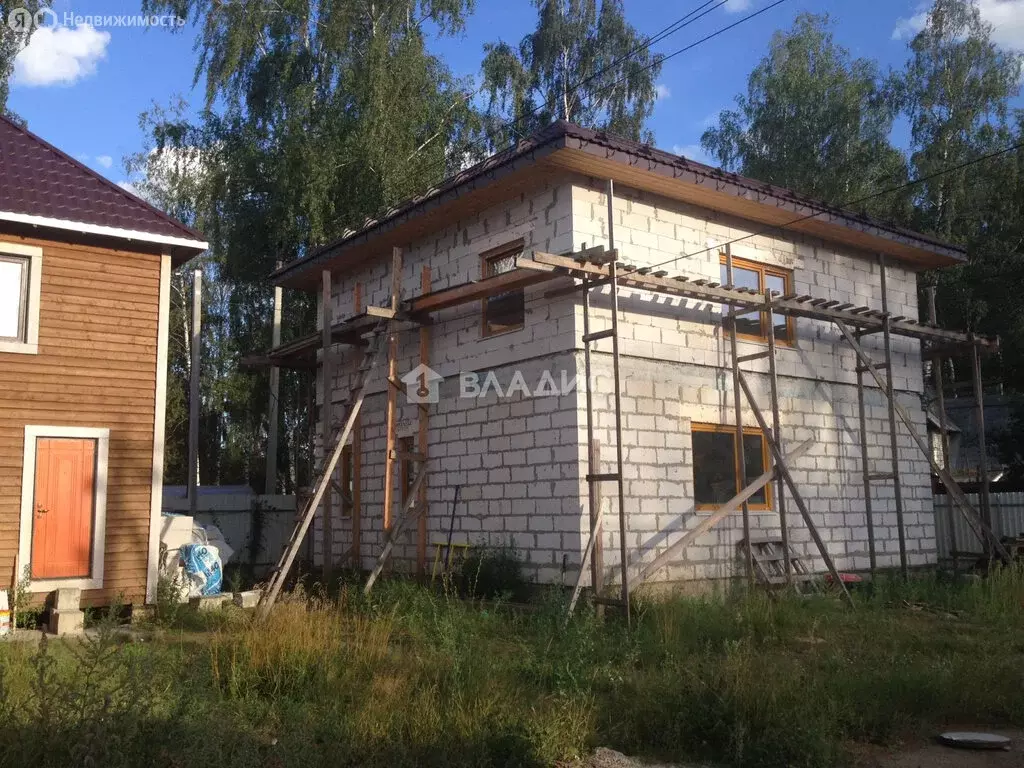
[414, 677]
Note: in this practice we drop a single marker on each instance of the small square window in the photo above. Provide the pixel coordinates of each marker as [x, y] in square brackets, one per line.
[502, 312]
[761, 278]
[716, 465]
[14, 298]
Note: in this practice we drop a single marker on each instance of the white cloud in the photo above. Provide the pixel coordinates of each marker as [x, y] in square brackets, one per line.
[1007, 20]
[907, 28]
[662, 92]
[127, 186]
[104, 161]
[693, 152]
[1005, 16]
[60, 55]
[736, 6]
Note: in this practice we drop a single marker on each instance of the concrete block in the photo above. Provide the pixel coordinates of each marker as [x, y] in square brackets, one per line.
[209, 602]
[67, 599]
[66, 622]
[247, 599]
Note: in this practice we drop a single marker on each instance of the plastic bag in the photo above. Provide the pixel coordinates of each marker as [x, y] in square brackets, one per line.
[202, 569]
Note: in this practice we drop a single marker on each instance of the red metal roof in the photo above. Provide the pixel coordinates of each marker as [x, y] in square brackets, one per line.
[37, 179]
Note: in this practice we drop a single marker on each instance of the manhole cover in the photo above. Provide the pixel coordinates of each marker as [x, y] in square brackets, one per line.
[972, 740]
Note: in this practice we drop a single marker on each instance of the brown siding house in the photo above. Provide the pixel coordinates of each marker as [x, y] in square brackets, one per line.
[84, 295]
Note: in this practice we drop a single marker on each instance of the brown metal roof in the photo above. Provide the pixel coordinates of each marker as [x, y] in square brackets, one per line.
[581, 149]
[37, 179]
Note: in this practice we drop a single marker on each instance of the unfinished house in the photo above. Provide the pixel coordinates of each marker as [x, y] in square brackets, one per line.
[486, 302]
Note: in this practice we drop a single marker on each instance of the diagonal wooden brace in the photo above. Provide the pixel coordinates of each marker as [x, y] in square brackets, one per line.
[982, 531]
[413, 508]
[719, 514]
[783, 468]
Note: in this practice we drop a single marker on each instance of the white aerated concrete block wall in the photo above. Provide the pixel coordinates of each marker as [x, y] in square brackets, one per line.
[676, 370]
[510, 455]
[521, 460]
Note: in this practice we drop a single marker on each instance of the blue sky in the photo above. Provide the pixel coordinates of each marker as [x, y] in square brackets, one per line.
[83, 88]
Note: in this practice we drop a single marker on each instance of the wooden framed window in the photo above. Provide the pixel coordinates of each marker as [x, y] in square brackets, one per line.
[760, 277]
[20, 267]
[504, 312]
[716, 475]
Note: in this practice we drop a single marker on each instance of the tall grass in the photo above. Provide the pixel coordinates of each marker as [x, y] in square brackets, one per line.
[413, 677]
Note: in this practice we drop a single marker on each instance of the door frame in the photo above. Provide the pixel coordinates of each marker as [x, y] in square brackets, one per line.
[99, 523]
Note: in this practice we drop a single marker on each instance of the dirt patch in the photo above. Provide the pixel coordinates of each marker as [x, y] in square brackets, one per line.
[609, 758]
[931, 754]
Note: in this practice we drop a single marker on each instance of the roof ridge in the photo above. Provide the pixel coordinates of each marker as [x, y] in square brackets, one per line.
[135, 199]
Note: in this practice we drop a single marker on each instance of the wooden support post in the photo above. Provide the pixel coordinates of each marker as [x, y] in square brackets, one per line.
[983, 479]
[410, 508]
[893, 441]
[326, 413]
[274, 406]
[866, 470]
[593, 463]
[940, 402]
[423, 417]
[780, 491]
[783, 468]
[392, 392]
[978, 525]
[193, 391]
[613, 274]
[357, 462]
[739, 458]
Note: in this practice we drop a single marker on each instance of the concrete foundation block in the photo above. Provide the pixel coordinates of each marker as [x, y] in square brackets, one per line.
[67, 599]
[247, 599]
[209, 602]
[66, 622]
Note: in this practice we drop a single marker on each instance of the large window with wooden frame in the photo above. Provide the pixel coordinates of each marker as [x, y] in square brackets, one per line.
[760, 277]
[716, 475]
[20, 267]
[503, 312]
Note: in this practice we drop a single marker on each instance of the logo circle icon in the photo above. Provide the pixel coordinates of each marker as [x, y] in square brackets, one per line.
[21, 20]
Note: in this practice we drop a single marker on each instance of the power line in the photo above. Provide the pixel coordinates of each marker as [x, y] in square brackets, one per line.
[701, 11]
[848, 204]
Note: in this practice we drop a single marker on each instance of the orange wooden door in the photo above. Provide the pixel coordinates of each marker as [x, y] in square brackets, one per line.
[63, 515]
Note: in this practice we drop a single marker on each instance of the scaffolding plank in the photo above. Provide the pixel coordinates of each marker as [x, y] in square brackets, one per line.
[701, 291]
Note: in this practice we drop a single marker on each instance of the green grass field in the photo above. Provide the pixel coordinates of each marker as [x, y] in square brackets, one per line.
[413, 677]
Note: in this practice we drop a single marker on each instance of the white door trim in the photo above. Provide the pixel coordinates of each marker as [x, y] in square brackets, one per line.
[160, 411]
[99, 526]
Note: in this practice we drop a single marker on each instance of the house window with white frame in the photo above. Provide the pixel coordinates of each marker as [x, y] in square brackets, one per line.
[20, 278]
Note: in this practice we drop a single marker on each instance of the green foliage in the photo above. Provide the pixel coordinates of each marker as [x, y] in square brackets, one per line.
[318, 115]
[411, 677]
[493, 573]
[813, 120]
[574, 41]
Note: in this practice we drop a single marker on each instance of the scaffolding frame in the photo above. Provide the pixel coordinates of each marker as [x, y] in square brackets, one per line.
[595, 268]
[863, 320]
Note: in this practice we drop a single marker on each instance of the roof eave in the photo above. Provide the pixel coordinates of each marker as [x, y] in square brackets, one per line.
[302, 273]
[181, 248]
[779, 208]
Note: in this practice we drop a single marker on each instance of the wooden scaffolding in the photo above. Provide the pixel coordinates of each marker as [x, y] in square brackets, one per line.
[374, 330]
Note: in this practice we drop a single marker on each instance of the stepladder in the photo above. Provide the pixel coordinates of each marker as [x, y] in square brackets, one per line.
[325, 472]
[768, 556]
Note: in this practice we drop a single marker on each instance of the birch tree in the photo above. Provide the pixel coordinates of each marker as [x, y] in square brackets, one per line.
[583, 63]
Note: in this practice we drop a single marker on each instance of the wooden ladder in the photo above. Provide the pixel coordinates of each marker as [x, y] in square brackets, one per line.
[371, 358]
[769, 559]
